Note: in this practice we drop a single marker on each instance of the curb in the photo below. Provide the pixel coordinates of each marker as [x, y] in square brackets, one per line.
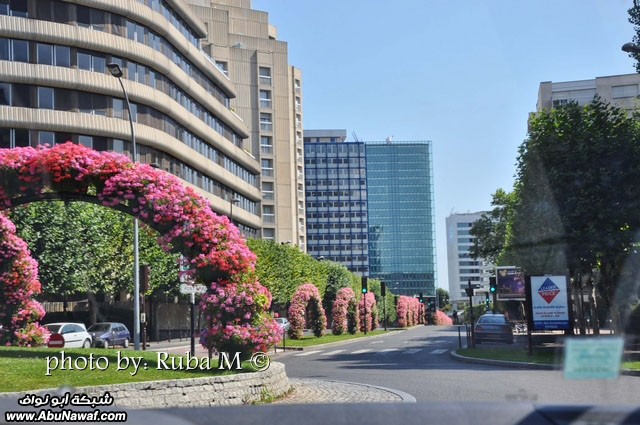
[521, 365]
[406, 398]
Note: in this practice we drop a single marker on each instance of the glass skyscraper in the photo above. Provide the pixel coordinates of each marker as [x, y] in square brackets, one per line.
[336, 199]
[402, 243]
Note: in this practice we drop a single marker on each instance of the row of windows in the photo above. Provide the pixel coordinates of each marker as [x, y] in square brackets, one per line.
[470, 278]
[466, 240]
[65, 56]
[355, 183]
[349, 225]
[469, 263]
[464, 224]
[354, 162]
[170, 15]
[337, 215]
[345, 148]
[11, 138]
[338, 237]
[324, 172]
[28, 96]
[463, 232]
[341, 193]
[470, 271]
[339, 204]
[67, 13]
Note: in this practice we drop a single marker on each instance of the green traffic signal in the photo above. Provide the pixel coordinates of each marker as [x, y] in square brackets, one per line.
[364, 290]
[493, 289]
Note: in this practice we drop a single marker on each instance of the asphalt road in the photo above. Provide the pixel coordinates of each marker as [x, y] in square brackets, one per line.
[417, 362]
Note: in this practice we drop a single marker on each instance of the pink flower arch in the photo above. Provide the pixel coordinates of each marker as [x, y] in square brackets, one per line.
[211, 244]
[298, 309]
[344, 298]
[370, 322]
[409, 311]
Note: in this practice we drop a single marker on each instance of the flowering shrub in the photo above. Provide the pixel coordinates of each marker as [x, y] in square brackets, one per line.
[441, 319]
[340, 310]
[353, 317]
[211, 244]
[18, 284]
[306, 295]
[369, 322]
[409, 311]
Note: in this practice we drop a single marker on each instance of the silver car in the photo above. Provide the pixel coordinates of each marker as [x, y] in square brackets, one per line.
[283, 323]
[75, 334]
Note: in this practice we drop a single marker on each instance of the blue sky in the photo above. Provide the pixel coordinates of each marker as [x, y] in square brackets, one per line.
[463, 74]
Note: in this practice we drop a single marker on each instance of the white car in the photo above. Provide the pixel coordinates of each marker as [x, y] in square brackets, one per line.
[75, 334]
[283, 322]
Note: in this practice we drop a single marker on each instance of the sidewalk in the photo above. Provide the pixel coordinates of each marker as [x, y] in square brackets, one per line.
[323, 391]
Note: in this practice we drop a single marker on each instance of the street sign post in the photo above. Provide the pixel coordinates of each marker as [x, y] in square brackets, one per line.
[192, 290]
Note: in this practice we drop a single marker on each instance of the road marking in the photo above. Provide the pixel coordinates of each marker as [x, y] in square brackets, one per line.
[439, 351]
[414, 350]
[376, 342]
[308, 353]
[366, 350]
[330, 353]
[387, 351]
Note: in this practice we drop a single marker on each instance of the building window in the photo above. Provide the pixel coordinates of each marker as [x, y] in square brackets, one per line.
[268, 215]
[223, 66]
[45, 54]
[18, 8]
[20, 50]
[45, 97]
[21, 95]
[265, 99]
[46, 137]
[267, 191]
[22, 138]
[117, 108]
[63, 56]
[267, 167]
[268, 233]
[264, 75]
[5, 94]
[265, 121]
[86, 141]
[84, 60]
[266, 145]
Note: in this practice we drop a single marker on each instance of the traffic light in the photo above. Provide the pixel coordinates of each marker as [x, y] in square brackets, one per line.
[486, 298]
[364, 284]
[492, 284]
[395, 300]
[383, 289]
[420, 298]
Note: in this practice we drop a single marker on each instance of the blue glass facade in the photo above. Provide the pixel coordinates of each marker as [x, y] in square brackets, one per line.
[336, 200]
[402, 243]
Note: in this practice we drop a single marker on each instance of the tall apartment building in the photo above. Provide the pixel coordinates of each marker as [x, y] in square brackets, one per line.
[269, 100]
[54, 87]
[402, 247]
[462, 268]
[336, 196]
[620, 90]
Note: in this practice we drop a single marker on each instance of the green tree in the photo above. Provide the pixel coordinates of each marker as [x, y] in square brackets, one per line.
[86, 248]
[443, 298]
[634, 19]
[492, 228]
[337, 278]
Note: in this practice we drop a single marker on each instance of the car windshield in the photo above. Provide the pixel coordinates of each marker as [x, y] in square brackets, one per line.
[100, 327]
[336, 201]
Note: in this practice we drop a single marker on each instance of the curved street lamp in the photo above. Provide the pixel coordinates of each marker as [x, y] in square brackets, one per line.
[116, 71]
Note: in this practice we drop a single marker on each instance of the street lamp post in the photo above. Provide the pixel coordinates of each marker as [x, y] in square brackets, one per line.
[233, 201]
[115, 70]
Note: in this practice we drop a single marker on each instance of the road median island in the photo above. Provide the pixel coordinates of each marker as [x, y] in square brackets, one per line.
[329, 339]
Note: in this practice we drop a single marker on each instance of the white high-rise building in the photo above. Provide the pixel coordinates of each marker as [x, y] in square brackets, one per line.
[461, 266]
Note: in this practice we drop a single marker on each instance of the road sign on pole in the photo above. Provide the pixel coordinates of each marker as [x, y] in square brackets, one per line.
[56, 341]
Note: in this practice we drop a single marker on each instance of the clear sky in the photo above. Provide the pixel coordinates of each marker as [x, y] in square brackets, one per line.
[463, 74]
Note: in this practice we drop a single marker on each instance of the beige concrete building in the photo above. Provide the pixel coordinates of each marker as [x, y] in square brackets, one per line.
[269, 100]
[620, 90]
[54, 87]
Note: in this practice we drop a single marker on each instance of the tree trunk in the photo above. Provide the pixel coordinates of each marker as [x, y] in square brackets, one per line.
[595, 322]
[93, 308]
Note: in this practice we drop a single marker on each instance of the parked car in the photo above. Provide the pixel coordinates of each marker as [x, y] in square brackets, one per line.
[284, 323]
[75, 334]
[108, 334]
[493, 327]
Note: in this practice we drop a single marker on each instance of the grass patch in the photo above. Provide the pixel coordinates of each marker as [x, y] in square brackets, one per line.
[631, 365]
[24, 369]
[329, 337]
[543, 357]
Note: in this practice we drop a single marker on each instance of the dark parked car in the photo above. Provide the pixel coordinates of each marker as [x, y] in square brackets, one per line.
[493, 327]
[107, 334]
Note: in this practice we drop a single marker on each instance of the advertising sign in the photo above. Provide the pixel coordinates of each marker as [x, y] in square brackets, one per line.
[549, 302]
[510, 284]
